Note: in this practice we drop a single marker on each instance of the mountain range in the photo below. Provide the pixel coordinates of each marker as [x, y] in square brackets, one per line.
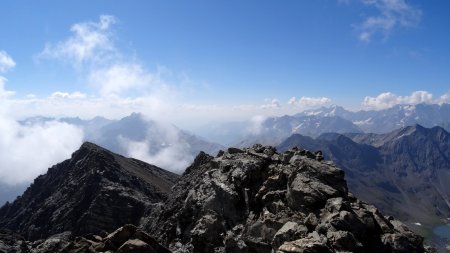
[241, 200]
[274, 130]
[404, 172]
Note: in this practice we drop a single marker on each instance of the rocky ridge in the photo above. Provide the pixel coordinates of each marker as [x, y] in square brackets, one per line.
[94, 191]
[257, 200]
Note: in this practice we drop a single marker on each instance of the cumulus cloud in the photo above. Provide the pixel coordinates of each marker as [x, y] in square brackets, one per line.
[309, 102]
[271, 104]
[392, 14]
[388, 99]
[90, 41]
[6, 62]
[91, 48]
[122, 77]
[65, 95]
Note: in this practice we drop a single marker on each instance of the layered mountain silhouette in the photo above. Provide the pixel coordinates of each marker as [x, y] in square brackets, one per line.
[404, 172]
[242, 200]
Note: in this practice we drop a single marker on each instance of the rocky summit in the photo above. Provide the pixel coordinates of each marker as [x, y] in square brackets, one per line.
[257, 200]
[95, 191]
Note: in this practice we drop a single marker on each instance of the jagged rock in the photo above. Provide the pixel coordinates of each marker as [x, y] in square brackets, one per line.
[126, 239]
[136, 246]
[11, 242]
[313, 243]
[94, 191]
[257, 200]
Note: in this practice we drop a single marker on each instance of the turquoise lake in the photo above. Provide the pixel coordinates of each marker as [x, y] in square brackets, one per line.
[442, 231]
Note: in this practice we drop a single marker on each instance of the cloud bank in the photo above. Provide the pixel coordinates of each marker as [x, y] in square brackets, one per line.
[28, 150]
[387, 99]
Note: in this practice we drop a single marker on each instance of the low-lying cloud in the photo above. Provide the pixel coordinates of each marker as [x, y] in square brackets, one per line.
[163, 146]
[27, 151]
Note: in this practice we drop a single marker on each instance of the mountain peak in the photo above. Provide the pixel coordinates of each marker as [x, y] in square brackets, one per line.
[91, 146]
[94, 191]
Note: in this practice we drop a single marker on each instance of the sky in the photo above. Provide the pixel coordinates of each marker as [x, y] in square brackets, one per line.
[201, 59]
[193, 62]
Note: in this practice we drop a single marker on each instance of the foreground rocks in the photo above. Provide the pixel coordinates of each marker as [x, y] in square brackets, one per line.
[257, 200]
[127, 239]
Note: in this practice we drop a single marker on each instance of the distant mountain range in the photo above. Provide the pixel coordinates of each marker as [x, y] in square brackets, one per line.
[404, 172]
[115, 134]
[336, 119]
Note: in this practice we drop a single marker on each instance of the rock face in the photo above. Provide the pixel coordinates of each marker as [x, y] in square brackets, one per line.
[405, 173]
[94, 191]
[257, 200]
[126, 239]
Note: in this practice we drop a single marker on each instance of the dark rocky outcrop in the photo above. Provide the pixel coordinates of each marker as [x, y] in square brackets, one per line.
[126, 239]
[95, 191]
[257, 200]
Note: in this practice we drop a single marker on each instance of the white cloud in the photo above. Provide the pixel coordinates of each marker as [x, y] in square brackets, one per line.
[6, 62]
[105, 68]
[309, 102]
[28, 150]
[65, 95]
[90, 41]
[122, 77]
[388, 99]
[256, 124]
[271, 104]
[163, 147]
[445, 98]
[392, 14]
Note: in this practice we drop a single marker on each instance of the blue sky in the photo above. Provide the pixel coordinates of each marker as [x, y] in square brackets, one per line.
[227, 55]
